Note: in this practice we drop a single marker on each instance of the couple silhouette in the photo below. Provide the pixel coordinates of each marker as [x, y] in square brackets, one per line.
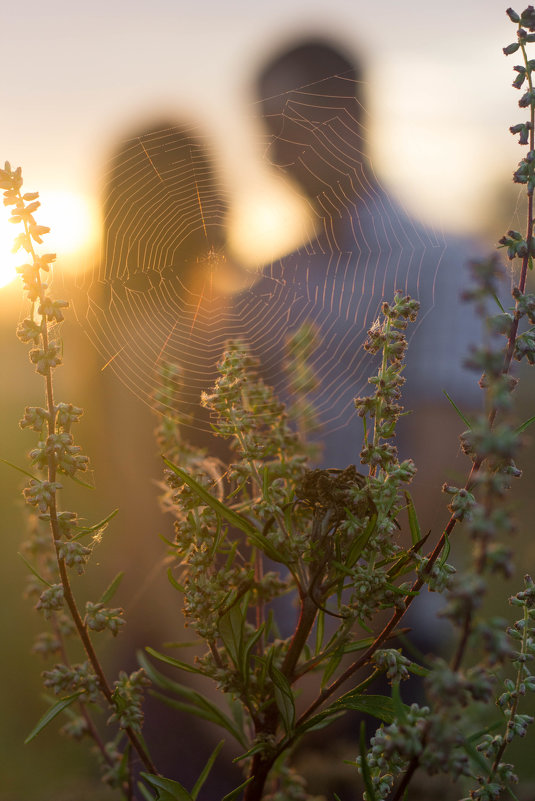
[168, 287]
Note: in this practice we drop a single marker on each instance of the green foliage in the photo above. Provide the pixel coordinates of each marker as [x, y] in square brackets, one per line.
[273, 532]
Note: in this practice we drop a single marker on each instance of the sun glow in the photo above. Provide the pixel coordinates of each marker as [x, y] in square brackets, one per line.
[8, 260]
[268, 222]
[73, 222]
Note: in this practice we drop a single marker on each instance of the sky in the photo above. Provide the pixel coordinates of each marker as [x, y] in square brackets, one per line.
[80, 76]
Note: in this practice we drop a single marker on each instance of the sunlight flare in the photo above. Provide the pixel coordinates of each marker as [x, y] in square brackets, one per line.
[73, 222]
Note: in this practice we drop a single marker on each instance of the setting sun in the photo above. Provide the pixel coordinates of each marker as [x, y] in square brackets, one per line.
[8, 260]
[72, 219]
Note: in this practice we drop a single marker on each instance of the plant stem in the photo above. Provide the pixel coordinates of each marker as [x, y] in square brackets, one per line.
[56, 535]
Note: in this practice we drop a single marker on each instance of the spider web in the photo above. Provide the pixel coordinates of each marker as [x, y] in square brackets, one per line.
[160, 290]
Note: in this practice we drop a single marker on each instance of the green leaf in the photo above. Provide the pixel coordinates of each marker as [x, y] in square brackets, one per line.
[359, 645]
[53, 712]
[249, 645]
[332, 664]
[257, 748]
[445, 552]
[196, 703]
[108, 594]
[33, 570]
[364, 767]
[20, 469]
[416, 534]
[284, 698]
[168, 790]
[525, 425]
[231, 628]
[173, 582]
[206, 770]
[177, 663]
[498, 302]
[225, 512]
[207, 711]
[361, 541]
[100, 526]
[228, 514]
[399, 708]
[477, 757]
[320, 631]
[487, 730]
[235, 793]
[379, 706]
[465, 419]
[79, 481]
[145, 793]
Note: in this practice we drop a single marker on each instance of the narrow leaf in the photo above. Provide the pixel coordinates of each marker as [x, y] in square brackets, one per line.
[206, 770]
[168, 790]
[413, 519]
[463, 417]
[225, 512]
[33, 570]
[361, 541]
[20, 469]
[231, 627]
[198, 705]
[320, 631]
[235, 793]
[228, 514]
[445, 552]
[284, 698]
[208, 712]
[399, 708]
[177, 663]
[477, 757]
[525, 425]
[249, 645]
[53, 712]
[498, 302]
[487, 730]
[332, 664]
[145, 793]
[79, 481]
[379, 706]
[108, 594]
[173, 582]
[364, 767]
[97, 526]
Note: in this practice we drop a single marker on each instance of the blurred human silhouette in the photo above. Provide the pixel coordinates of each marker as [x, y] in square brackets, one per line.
[163, 212]
[312, 104]
[164, 280]
[163, 251]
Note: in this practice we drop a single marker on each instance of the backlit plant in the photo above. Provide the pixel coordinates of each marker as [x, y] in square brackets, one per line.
[271, 538]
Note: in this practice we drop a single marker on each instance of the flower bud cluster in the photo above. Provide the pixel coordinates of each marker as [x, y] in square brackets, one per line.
[70, 678]
[128, 699]
[393, 662]
[56, 452]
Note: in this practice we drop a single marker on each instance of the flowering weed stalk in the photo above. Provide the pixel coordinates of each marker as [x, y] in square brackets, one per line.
[440, 737]
[270, 534]
[285, 568]
[68, 544]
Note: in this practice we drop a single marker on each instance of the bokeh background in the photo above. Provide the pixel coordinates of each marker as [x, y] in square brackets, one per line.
[77, 79]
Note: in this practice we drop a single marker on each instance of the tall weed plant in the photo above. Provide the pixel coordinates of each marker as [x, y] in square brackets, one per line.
[270, 531]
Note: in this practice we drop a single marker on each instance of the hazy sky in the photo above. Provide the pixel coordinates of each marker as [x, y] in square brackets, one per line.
[80, 75]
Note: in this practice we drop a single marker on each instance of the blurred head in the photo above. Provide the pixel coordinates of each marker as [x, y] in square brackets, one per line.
[163, 213]
[311, 102]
